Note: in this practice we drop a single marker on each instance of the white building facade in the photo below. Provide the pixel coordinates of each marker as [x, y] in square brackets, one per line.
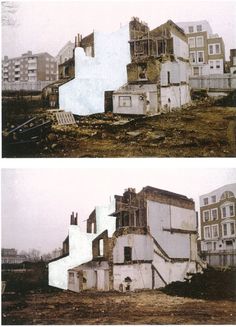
[218, 226]
[206, 50]
[105, 71]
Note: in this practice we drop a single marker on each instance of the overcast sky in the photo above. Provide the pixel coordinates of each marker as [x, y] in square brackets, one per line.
[37, 203]
[46, 26]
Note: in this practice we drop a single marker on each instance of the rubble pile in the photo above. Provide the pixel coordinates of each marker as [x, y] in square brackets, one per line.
[229, 100]
[197, 130]
[212, 284]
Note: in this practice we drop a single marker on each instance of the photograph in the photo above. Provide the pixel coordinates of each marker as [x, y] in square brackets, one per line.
[118, 171]
[105, 79]
[118, 246]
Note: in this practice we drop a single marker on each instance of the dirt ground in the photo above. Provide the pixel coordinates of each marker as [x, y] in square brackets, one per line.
[199, 131]
[146, 307]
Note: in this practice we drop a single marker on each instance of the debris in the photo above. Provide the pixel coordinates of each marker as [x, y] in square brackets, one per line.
[3, 286]
[53, 146]
[134, 133]
[65, 118]
[229, 100]
[30, 131]
[52, 137]
[208, 285]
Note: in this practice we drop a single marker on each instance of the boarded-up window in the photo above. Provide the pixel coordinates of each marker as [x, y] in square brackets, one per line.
[125, 101]
[127, 253]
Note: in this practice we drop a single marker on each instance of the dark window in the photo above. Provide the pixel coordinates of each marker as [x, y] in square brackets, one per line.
[128, 280]
[229, 243]
[161, 47]
[205, 201]
[190, 29]
[168, 77]
[142, 71]
[199, 28]
[127, 253]
[125, 219]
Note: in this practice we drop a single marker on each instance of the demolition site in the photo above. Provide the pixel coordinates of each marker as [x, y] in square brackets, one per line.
[129, 93]
[138, 261]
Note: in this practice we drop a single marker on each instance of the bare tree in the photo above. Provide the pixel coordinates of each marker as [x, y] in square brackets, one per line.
[9, 9]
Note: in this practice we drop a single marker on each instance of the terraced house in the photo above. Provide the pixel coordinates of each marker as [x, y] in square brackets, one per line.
[218, 223]
[158, 75]
[142, 240]
[206, 50]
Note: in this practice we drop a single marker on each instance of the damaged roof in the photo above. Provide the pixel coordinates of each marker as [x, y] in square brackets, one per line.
[166, 193]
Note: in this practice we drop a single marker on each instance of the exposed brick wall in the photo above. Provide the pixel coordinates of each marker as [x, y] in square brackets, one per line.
[95, 246]
[131, 209]
[137, 28]
[92, 220]
[88, 41]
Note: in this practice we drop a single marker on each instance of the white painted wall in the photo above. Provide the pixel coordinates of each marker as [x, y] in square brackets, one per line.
[141, 275]
[161, 216]
[142, 247]
[80, 251]
[93, 76]
[180, 47]
[178, 95]
[80, 246]
[138, 106]
[75, 285]
[104, 221]
[214, 70]
[171, 272]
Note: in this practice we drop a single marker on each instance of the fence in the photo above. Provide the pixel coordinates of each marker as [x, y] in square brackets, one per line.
[223, 82]
[26, 86]
[220, 259]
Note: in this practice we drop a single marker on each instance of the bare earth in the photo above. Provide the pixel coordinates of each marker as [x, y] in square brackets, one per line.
[198, 132]
[144, 307]
[201, 131]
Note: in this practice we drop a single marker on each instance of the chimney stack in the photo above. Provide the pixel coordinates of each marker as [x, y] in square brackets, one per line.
[74, 218]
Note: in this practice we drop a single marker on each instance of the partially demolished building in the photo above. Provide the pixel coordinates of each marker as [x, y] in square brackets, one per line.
[100, 65]
[150, 242]
[153, 67]
[158, 75]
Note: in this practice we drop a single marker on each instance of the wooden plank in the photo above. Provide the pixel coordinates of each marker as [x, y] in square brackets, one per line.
[65, 118]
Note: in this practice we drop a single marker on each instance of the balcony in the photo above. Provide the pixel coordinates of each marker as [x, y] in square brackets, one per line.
[6, 64]
[17, 69]
[32, 73]
[17, 63]
[32, 61]
[32, 66]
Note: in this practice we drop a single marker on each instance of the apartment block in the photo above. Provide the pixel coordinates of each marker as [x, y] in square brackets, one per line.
[29, 68]
[10, 256]
[206, 50]
[218, 219]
